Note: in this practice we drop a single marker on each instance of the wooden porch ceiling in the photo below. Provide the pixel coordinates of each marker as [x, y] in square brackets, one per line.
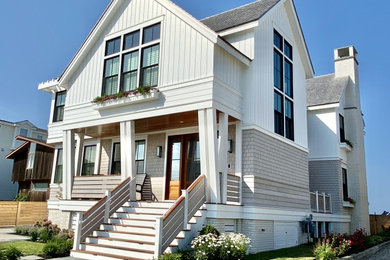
[151, 124]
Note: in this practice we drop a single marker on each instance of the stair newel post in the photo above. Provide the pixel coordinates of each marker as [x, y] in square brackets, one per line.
[107, 206]
[159, 236]
[185, 195]
[77, 233]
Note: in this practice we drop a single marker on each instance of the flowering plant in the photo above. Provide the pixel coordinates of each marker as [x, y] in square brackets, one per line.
[206, 246]
[350, 200]
[142, 90]
[357, 240]
[335, 245]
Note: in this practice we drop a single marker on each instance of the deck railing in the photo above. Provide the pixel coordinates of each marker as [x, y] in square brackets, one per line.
[176, 218]
[93, 186]
[101, 211]
[320, 202]
[233, 189]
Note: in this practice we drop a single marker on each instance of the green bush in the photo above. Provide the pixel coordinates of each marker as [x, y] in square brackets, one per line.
[324, 251]
[12, 253]
[34, 234]
[209, 229]
[21, 197]
[2, 256]
[22, 230]
[174, 256]
[373, 240]
[44, 234]
[58, 247]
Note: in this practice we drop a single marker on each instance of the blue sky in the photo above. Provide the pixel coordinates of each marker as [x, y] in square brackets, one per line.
[40, 37]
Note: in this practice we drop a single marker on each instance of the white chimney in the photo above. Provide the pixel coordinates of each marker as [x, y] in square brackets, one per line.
[346, 63]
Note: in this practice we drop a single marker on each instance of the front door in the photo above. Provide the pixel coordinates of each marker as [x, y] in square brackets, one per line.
[183, 165]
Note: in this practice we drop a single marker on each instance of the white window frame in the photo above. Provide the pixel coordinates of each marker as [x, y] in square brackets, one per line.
[31, 156]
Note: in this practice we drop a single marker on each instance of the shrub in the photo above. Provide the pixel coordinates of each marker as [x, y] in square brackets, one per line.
[324, 251]
[206, 246]
[66, 233]
[339, 243]
[12, 253]
[209, 229]
[44, 234]
[373, 240]
[34, 234]
[58, 247]
[233, 246]
[21, 197]
[22, 230]
[2, 256]
[357, 240]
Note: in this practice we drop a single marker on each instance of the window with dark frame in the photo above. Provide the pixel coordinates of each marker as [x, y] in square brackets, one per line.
[116, 159]
[59, 106]
[283, 87]
[58, 169]
[123, 69]
[342, 130]
[89, 160]
[345, 184]
[139, 157]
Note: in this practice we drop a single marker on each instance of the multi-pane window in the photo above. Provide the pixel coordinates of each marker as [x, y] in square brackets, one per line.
[283, 87]
[342, 130]
[89, 160]
[345, 184]
[129, 64]
[58, 169]
[23, 132]
[59, 106]
[139, 157]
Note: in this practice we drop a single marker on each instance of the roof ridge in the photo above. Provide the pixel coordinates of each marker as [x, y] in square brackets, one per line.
[238, 7]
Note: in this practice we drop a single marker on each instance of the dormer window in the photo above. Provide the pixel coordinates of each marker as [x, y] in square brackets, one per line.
[129, 64]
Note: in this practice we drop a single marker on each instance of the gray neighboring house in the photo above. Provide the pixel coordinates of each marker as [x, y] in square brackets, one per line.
[336, 141]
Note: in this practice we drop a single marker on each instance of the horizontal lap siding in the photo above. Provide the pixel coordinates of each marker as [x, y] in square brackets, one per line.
[325, 176]
[22, 213]
[275, 173]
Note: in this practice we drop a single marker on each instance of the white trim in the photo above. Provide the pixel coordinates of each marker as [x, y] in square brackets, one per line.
[319, 107]
[70, 205]
[325, 159]
[239, 28]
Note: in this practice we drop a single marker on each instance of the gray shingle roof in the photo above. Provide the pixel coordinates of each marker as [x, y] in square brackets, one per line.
[238, 16]
[324, 90]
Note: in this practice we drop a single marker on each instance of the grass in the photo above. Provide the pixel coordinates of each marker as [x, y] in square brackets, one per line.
[302, 252]
[27, 247]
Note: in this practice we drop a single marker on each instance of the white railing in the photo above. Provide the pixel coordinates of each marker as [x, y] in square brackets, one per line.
[99, 213]
[176, 218]
[93, 186]
[233, 189]
[320, 202]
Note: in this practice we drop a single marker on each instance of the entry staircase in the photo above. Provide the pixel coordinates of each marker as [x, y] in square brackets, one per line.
[117, 228]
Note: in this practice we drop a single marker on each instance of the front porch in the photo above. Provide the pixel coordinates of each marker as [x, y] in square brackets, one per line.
[172, 150]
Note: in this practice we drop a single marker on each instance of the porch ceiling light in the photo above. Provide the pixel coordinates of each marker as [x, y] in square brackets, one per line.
[159, 151]
[230, 145]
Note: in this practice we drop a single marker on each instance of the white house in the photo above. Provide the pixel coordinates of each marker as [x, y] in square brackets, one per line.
[219, 138]
[8, 143]
[336, 140]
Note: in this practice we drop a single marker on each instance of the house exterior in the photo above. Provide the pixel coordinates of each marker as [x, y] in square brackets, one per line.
[8, 142]
[32, 168]
[208, 117]
[336, 140]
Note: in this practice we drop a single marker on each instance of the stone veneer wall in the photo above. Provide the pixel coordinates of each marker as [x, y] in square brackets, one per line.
[275, 173]
[61, 218]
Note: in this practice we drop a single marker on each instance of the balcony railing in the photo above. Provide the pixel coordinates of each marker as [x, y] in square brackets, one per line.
[320, 202]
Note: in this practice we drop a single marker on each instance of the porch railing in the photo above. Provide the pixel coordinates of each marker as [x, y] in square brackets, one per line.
[94, 186]
[233, 189]
[320, 202]
[101, 211]
[176, 218]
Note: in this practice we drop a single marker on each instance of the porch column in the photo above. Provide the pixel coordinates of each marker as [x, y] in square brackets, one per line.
[208, 152]
[68, 163]
[127, 139]
[79, 153]
[238, 155]
[97, 157]
[222, 154]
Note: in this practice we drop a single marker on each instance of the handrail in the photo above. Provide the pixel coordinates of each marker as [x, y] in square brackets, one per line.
[100, 212]
[192, 186]
[174, 206]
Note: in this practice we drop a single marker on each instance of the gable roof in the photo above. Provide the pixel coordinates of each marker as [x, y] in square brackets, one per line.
[27, 141]
[325, 89]
[240, 15]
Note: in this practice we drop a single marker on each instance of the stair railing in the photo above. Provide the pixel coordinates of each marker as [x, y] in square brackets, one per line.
[99, 213]
[176, 218]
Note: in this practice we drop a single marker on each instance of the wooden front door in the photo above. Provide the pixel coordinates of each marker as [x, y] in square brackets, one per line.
[183, 165]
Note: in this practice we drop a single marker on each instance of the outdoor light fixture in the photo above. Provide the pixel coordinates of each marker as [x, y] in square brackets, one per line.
[159, 151]
[230, 145]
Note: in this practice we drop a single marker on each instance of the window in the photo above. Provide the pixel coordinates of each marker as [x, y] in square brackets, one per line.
[40, 137]
[133, 64]
[23, 132]
[139, 157]
[59, 106]
[342, 130]
[89, 160]
[58, 169]
[283, 87]
[40, 186]
[345, 184]
[31, 156]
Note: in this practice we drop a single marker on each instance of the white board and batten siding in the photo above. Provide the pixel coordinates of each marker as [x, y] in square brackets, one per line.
[285, 234]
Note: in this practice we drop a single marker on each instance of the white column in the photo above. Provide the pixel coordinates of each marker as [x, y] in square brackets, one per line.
[208, 148]
[127, 139]
[79, 153]
[222, 153]
[68, 163]
[238, 154]
[96, 169]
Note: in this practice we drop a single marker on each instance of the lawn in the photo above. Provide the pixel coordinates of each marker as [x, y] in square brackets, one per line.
[27, 247]
[302, 252]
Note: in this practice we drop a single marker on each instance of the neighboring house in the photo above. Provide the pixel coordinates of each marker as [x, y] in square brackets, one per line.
[337, 164]
[221, 138]
[8, 142]
[33, 162]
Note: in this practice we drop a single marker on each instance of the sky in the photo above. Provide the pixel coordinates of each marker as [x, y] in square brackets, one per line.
[39, 38]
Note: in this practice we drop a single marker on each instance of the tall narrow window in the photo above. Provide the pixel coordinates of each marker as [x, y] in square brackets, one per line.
[89, 160]
[283, 87]
[140, 156]
[149, 70]
[59, 106]
[110, 81]
[345, 184]
[31, 156]
[116, 159]
[342, 130]
[58, 169]
[129, 71]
